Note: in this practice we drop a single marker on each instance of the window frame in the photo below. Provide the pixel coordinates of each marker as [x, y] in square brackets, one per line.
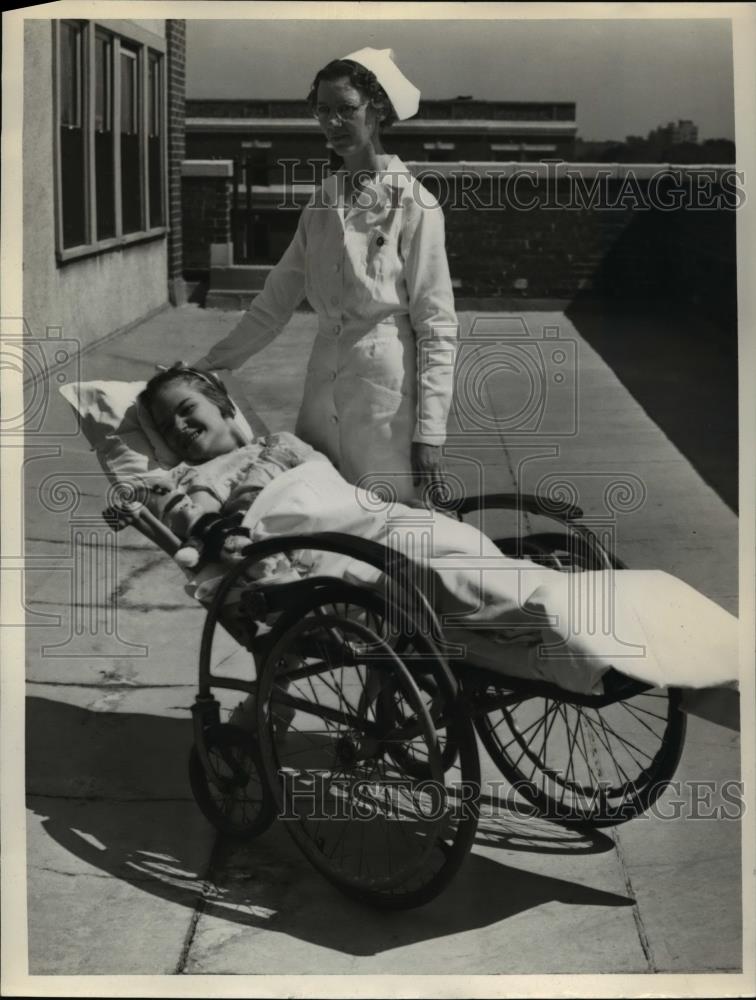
[144, 42]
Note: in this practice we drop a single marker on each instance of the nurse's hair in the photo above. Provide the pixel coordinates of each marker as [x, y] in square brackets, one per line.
[209, 385]
[361, 79]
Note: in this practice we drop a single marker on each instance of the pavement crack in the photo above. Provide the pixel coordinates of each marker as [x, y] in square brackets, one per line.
[640, 927]
[208, 879]
[118, 686]
[58, 871]
[128, 581]
[121, 605]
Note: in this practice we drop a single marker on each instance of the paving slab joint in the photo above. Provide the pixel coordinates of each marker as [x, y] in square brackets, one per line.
[212, 866]
[640, 927]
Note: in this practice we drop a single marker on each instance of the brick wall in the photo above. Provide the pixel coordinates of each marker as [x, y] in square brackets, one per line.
[622, 253]
[207, 219]
[176, 44]
[632, 250]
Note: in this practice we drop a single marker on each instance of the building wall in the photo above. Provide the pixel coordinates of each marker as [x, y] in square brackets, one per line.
[608, 248]
[442, 131]
[406, 140]
[89, 297]
[458, 108]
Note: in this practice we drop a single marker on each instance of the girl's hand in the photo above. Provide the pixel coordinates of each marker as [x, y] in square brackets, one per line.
[427, 466]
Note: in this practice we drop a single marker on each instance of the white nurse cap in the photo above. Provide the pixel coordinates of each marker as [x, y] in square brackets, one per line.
[404, 96]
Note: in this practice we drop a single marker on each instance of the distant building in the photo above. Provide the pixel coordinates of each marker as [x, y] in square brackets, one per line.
[266, 132]
[270, 143]
[673, 134]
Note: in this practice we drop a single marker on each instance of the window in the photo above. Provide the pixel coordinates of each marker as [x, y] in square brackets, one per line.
[439, 152]
[155, 139]
[104, 140]
[111, 160]
[72, 145]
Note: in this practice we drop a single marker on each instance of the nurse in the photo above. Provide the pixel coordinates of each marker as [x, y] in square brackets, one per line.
[369, 254]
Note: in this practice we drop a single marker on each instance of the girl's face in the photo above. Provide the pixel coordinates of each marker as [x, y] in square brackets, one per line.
[345, 116]
[192, 426]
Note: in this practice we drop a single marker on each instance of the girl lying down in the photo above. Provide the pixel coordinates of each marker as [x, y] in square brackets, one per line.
[566, 628]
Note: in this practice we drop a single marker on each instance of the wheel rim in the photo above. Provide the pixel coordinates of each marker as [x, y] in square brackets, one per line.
[450, 842]
[359, 818]
[588, 764]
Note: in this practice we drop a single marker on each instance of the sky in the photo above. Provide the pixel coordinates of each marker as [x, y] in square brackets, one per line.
[626, 76]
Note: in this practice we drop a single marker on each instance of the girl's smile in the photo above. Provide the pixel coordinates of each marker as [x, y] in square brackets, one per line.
[191, 424]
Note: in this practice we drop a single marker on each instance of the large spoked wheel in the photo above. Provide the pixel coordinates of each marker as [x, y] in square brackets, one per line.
[232, 795]
[574, 763]
[378, 825]
[600, 766]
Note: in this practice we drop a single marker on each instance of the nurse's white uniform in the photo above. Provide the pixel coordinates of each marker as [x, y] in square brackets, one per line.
[382, 367]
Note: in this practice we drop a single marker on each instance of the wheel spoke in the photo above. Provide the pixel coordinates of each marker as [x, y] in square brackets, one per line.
[645, 711]
[629, 743]
[632, 711]
[604, 738]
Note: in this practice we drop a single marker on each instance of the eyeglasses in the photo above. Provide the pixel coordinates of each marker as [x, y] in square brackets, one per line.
[344, 112]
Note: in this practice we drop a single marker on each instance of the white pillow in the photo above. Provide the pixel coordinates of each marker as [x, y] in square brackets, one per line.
[121, 431]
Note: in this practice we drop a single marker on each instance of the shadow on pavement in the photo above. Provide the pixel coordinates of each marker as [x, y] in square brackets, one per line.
[683, 371]
[520, 828]
[101, 782]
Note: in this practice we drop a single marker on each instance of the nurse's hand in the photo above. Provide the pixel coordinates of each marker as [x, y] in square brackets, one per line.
[203, 366]
[427, 467]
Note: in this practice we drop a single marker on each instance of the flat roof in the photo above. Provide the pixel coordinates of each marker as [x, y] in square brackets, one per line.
[445, 125]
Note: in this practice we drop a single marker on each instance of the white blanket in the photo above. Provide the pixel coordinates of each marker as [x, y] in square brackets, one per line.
[512, 615]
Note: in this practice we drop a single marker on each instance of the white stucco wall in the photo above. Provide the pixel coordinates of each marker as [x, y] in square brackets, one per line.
[156, 27]
[94, 296]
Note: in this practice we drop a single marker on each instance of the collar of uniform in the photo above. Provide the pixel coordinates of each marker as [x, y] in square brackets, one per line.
[394, 175]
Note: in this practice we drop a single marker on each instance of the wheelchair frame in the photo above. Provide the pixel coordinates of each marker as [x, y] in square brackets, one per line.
[425, 711]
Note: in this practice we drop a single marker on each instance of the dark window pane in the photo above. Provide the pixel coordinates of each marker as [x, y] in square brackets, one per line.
[105, 185]
[104, 145]
[156, 182]
[128, 93]
[155, 94]
[258, 169]
[72, 173]
[131, 175]
[72, 186]
[131, 188]
[70, 74]
[103, 83]
[154, 148]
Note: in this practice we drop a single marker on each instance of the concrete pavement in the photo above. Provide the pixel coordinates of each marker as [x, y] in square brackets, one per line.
[125, 876]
